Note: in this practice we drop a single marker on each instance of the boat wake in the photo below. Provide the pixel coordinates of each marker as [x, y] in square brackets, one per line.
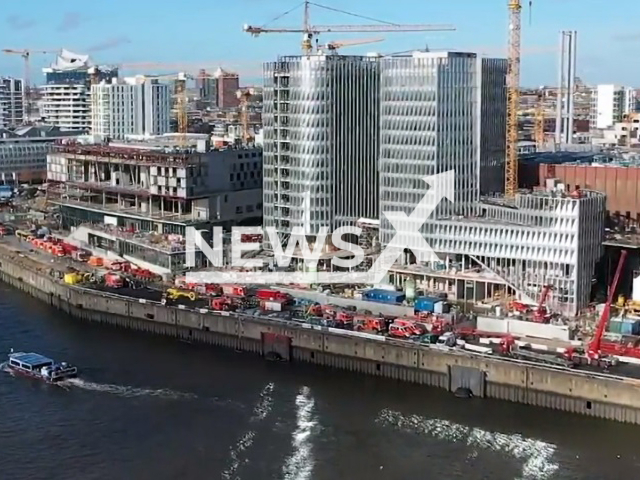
[260, 412]
[299, 466]
[537, 455]
[126, 391]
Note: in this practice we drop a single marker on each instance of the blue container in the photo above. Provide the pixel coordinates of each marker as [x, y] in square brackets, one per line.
[626, 327]
[384, 296]
[615, 326]
[426, 304]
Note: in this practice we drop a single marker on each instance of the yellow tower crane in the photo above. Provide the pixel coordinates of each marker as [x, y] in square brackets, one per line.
[244, 95]
[513, 98]
[310, 31]
[538, 130]
[181, 107]
[333, 47]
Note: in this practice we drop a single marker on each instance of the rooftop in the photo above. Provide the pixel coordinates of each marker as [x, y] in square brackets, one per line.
[129, 154]
[32, 359]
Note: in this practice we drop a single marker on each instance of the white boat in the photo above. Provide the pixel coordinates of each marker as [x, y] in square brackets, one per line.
[37, 366]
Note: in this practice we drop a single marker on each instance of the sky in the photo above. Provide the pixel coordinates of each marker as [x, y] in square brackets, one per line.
[209, 33]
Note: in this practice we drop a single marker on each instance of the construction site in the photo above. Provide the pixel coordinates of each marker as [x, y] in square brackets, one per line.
[346, 139]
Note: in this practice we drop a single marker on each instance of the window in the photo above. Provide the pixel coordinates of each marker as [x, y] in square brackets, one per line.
[231, 177]
[238, 210]
[259, 206]
[226, 198]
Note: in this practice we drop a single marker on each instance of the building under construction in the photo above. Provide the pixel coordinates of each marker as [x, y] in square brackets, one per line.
[435, 113]
[155, 188]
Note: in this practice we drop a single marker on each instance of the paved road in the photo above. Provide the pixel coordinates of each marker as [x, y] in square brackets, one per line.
[374, 307]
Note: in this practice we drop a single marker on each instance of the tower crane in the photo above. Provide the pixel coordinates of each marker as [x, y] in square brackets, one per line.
[309, 31]
[335, 45]
[513, 98]
[538, 130]
[244, 94]
[26, 53]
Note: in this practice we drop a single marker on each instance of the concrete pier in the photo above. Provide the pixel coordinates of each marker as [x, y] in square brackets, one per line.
[596, 395]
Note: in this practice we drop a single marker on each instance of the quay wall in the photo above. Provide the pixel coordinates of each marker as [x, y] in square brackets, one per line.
[593, 394]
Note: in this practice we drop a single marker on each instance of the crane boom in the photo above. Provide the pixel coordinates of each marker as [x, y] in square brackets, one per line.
[350, 28]
[513, 98]
[309, 31]
[337, 44]
[26, 53]
[596, 342]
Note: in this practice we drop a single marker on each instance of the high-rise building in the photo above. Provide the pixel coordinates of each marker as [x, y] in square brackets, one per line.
[65, 95]
[11, 101]
[492, 96]
[609, 105]
[227, 85]
[135, 106]
[207, 86]
[320, 116]
[441, 111]
[436, 112]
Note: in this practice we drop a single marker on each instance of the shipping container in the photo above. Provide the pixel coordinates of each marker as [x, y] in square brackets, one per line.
[627, 327]
[384, 296]
[428, 304]
[614, 326]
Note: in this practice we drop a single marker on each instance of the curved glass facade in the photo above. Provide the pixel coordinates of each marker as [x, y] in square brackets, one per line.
[320, 118]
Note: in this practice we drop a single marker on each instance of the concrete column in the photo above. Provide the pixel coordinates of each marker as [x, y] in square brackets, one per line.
[573, 63]
[559, 93]
[569, 92]
[104, 199]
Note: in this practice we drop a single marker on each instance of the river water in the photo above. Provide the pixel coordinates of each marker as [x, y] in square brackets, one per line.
[147, 407]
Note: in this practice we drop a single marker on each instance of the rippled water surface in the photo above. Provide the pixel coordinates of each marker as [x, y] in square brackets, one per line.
[150, 407]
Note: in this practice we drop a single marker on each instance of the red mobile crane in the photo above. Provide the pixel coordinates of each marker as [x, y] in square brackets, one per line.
[594, 354]
[540, 314]
[595, 346]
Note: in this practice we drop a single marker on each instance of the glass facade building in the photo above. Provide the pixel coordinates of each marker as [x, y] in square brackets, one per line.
[321, 130]
[429, 124]
[21, 161]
